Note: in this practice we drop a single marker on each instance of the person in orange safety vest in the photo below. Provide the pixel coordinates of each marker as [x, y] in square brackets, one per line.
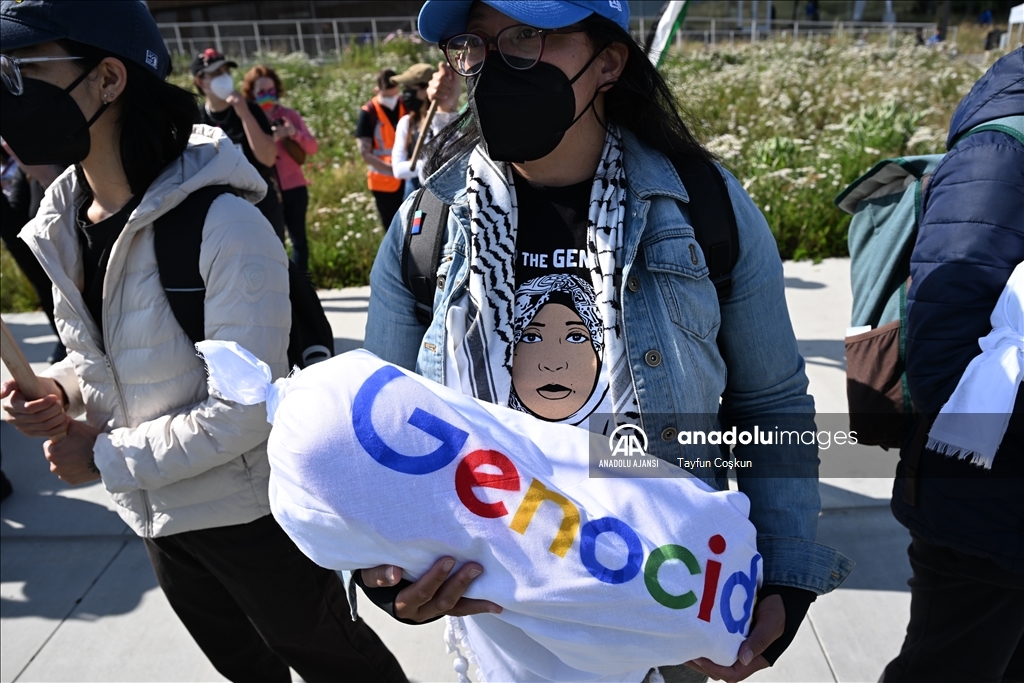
[375, 134]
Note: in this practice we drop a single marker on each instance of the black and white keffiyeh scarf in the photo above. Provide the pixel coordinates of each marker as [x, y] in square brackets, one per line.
[480, 325]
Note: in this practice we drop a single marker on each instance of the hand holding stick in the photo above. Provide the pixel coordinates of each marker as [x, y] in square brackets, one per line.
[423, 133]
[28, 383]
[19, 366]
[443, 93]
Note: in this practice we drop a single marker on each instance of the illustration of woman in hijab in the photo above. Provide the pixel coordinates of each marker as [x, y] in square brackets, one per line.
[558, 349]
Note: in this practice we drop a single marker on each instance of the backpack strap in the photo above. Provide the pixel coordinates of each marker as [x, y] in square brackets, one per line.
[421, 252]
[177, 239]
[713, 219]
[1011, 125]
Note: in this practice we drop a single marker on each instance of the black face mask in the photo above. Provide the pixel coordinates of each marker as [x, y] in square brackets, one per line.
[412, 103]
[44, 124]
[523, 115]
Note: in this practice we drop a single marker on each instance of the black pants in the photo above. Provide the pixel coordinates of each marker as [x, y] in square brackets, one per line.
[256, 605]
[296, 200]
[388, 203]
[966, 620]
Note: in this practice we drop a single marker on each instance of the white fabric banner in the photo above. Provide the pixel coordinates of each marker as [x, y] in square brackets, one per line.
[973, 422]
[600, 579]
[1016, 15]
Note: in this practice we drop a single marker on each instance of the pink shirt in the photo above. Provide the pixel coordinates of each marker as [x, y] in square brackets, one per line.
[288, 171]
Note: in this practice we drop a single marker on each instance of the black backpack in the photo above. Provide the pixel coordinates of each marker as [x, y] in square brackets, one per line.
[178, 236]
[711, 213]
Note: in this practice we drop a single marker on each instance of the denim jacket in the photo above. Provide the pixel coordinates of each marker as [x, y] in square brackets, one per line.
[685, 351]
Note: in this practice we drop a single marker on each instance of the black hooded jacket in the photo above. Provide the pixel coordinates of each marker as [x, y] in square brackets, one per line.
[970, 238]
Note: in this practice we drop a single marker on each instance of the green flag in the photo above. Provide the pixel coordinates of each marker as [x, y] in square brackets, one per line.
[672, 15]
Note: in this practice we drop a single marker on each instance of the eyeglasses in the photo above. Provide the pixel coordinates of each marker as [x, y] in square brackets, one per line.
[10, 70]
[520, 46]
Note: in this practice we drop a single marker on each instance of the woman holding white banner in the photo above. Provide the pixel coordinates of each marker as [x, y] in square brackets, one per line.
[567, 162]
[572, 291]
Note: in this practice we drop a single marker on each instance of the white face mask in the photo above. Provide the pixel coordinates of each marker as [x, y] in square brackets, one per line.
[389, 102]
[222, 86]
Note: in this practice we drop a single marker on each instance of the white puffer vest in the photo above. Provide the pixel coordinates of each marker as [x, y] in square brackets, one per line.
[173, 457]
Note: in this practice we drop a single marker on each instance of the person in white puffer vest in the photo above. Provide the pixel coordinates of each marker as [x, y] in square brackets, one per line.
[83, 82]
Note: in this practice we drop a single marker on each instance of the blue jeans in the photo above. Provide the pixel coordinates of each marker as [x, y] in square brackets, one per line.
[411, 185]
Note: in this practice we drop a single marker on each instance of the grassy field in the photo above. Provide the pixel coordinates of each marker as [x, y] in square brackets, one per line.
[795, 122]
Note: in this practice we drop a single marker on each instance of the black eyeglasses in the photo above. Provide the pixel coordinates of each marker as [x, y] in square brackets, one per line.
[520, 46]
[10, 70]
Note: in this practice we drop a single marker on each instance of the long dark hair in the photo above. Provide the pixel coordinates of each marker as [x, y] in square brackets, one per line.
[415, 117]
[156, 118]
[640, 100]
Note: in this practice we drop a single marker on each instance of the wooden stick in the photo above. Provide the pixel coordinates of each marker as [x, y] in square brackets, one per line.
[423, 133]
[21, 370]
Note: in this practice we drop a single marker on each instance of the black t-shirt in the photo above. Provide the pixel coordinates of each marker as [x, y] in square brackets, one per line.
[366, 124]
[229, 122]
[552, 231]
[97, 240]
[558, 366]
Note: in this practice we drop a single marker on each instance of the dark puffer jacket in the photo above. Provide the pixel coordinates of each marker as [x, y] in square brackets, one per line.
[971, 237]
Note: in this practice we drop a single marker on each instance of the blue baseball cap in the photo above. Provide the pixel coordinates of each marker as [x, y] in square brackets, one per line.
[440, 19]
[122, 27]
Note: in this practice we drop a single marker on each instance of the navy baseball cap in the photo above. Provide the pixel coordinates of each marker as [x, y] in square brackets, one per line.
[440, 19]
[208, 61]
[124, 28]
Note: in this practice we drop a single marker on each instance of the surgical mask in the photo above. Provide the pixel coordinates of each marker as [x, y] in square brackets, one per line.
[411, 102]
[44, 125]
[388, 102]
[222, 86]
[523, 115]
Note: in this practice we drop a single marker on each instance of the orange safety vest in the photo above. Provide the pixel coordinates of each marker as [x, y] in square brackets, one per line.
[383, 141]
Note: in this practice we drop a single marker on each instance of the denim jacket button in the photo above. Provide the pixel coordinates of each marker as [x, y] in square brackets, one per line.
[440, 282]
[668, 434]
[652, 358]
[633, 284]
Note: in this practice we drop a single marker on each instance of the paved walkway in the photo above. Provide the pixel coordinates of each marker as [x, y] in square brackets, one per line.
[78, 600]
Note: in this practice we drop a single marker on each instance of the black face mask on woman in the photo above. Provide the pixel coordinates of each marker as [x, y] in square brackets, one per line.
[44, 125]
[412, 103]
[523, 115]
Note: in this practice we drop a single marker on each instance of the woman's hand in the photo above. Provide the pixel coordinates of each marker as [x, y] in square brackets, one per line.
[285, 130]
[238, 103]
[435, 593]
[769, 623]
[40, 417]
[71, 458]
[445, 87]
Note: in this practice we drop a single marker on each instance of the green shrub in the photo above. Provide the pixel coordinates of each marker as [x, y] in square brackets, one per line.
[798, 122]
[16, 294]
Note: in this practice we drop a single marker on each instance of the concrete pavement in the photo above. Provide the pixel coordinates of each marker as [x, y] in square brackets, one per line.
[78, 600]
